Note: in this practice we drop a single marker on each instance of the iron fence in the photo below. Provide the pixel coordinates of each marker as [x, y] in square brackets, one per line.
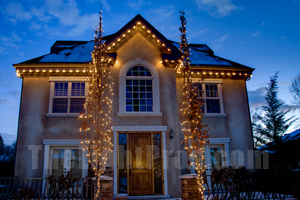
[243, 189]
[83, 188]
[43, 188]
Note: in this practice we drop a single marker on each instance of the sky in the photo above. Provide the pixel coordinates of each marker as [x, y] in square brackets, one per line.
[262, 34]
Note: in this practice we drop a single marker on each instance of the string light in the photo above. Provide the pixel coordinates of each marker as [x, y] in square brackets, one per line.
[95, 119]
[193, 128]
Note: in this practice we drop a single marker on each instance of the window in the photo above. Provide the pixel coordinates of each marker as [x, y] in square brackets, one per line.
[63, 155]
[211, 93]
[67, 97]
[139, 91]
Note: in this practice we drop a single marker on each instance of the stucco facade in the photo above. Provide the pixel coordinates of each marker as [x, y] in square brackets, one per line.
[41, 131]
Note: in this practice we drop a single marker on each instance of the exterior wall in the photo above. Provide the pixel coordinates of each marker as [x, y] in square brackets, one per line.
[34, 126]
[139, 47]
[236, 125]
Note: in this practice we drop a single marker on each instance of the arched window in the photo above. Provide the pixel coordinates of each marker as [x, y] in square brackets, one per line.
[139, 90]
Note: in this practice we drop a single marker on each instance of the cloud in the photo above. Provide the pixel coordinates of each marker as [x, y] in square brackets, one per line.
[8, 138]
[14, 93]
[15, 12]
[218, 43]
[70, 22]
[105, 5]
[4, 100]
[257, 98]
[255, 34]
[136, 4]
[2, 50]
[218, 8]
[9, 44]
[263, 24]
[198, 33]
[168, 27]
[34, 26]
[40, 14]
[286, 107]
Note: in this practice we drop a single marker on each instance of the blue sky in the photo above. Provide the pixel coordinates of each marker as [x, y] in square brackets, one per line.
[263, 34]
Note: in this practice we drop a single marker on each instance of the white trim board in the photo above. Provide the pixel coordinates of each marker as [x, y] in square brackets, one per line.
[139, 128]
[54, 142]
[68, 78]
[218, 140]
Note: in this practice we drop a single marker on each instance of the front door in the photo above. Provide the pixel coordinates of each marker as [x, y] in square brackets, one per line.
[140, 164]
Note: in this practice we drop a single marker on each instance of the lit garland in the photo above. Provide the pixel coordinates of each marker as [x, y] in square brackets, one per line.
[95, 121]
[195, 132]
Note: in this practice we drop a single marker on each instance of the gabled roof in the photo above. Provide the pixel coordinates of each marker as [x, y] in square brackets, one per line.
[61, 45]
[139, 25]
[202, 57]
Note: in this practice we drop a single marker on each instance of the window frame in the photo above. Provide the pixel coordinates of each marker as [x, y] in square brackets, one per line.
[218, 82]
[139, 92]
[122, 88]
[49, 144]
[68, 80]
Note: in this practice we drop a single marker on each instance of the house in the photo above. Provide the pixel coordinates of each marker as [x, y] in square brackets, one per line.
[146, 103]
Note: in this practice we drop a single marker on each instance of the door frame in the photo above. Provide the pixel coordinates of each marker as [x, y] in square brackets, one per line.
[67, 158]
[215, 142]
[50, 143]
[140, 129]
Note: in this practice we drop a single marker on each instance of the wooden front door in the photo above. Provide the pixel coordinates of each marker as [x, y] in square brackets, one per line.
[140, 164]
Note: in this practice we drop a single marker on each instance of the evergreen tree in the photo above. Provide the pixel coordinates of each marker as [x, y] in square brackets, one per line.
[272, 124]
[1, 145]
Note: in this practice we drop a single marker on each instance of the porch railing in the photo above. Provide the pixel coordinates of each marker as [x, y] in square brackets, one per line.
[42, 188]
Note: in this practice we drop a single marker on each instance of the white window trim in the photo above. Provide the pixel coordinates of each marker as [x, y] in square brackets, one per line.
[122, 89]
[219, 141]
[219, 85]
[161, 129]
[69, 80]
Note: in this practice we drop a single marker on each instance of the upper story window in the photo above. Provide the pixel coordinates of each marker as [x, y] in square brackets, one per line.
[67, 96]
[211, 92]
[139, 90]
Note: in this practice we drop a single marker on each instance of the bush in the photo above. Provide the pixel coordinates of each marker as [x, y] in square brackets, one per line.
[242, 183]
